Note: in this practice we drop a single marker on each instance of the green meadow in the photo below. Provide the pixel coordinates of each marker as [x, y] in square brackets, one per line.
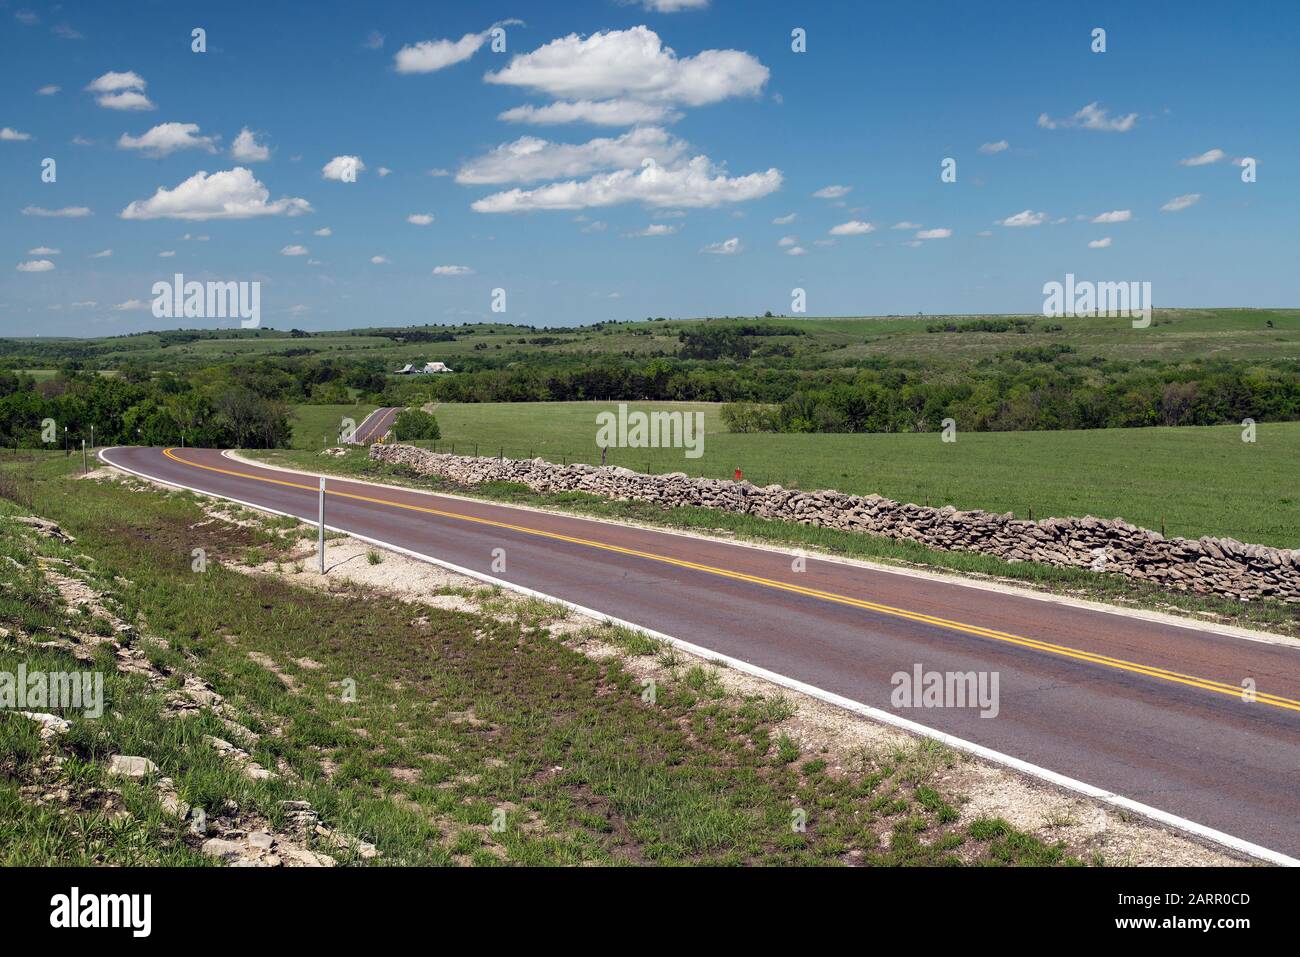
[1196, 481]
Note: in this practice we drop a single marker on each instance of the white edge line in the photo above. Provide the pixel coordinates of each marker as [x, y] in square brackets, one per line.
[1211, 628]
[829, 697]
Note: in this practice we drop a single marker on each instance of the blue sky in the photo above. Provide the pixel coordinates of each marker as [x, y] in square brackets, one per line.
[743, 131]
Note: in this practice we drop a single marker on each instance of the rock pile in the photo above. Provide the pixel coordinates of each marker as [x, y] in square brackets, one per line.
[1211, 566]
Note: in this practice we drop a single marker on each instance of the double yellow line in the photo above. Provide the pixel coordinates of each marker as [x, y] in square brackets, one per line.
[1150, 671]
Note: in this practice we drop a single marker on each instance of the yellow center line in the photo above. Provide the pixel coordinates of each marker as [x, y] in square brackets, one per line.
[1152, 671]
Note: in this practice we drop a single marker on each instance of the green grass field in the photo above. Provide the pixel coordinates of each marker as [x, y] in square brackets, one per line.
[1201, 481]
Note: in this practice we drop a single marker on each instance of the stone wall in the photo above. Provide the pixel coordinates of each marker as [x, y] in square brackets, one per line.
[1217, 566]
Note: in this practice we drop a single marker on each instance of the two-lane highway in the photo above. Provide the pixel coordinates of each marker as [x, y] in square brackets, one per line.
[376, 425]
[1148, 710]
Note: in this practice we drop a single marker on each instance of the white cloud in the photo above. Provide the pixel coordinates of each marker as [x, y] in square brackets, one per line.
[618, 112]
[420, 219]
[67, 32]
[168, 138]
[984, 232]
[36, 265]
[796, 251]
[854, 227]
[632, 64]
[294, 251]
[131, 305]
[1114, 216]
[694, 184]
[1026, 217]
[27, 18]
[431, 55]
[167, 253]
[787, 241]
[998, 147]
[673, 6]
[655, 229]
[375, 41]
[49, 90]
[378, 260]
[529, 158]
[229, 194]
[906, 224]
[438, 172]
[343, 169]
[13, 135]
[1091, 117]
[1209, 156]
[1099, 243]
[120, 91]
[452, 270]
[785, 220]
[1181, 202]
[246, 149]
[832, 192]
[934, 234]
[43, 251]
[324, 231]
[67, 212]
[383, 171]
[85, 304]
[102, 254]
[728, 247]
[82, 141]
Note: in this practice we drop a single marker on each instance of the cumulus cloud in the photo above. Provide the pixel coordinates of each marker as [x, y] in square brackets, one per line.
[246, 149]
[49, 90]
[796, 251]
[1181, 202]
[673, 6]
[906, 224]
[1204, 159]
[1099, 243]
[13, 135]
[120, 91]
[429, 56]
[695, 184]
[787, 241]
[998, 147]
[1026, 217]
[420, 219]
[632, 64]
[933, 233]
[102, 254]
[452, 270]
[168, 138]
[343, 169]
[36, 265]
[785, 220]
[854, 227]
[1091, 117]
[833, 192]
[728, 247]
[229, 194]
[324, 231]
[294, 251]
[67, 212]
[529, 158]
[378, 260]
[43, 251]
[655, 229]
[617, 112]
[1114, 216]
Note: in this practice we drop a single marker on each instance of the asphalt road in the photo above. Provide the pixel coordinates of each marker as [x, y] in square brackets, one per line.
[1144, 709]
[375, 426]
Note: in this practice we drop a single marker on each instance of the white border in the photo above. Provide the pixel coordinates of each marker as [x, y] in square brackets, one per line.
[848, 704]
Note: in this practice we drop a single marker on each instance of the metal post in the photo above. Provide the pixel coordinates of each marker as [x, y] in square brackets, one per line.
[83, 456]
[92, 437]
[321, 537]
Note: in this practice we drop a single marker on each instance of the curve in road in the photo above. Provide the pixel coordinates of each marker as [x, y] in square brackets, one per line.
[1151, 714]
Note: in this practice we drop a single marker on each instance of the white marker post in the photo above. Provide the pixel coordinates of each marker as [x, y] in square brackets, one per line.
[321, 539]
[84, 469]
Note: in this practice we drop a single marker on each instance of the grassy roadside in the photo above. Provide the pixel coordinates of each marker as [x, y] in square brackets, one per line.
[438, 736]
[1115, 589]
